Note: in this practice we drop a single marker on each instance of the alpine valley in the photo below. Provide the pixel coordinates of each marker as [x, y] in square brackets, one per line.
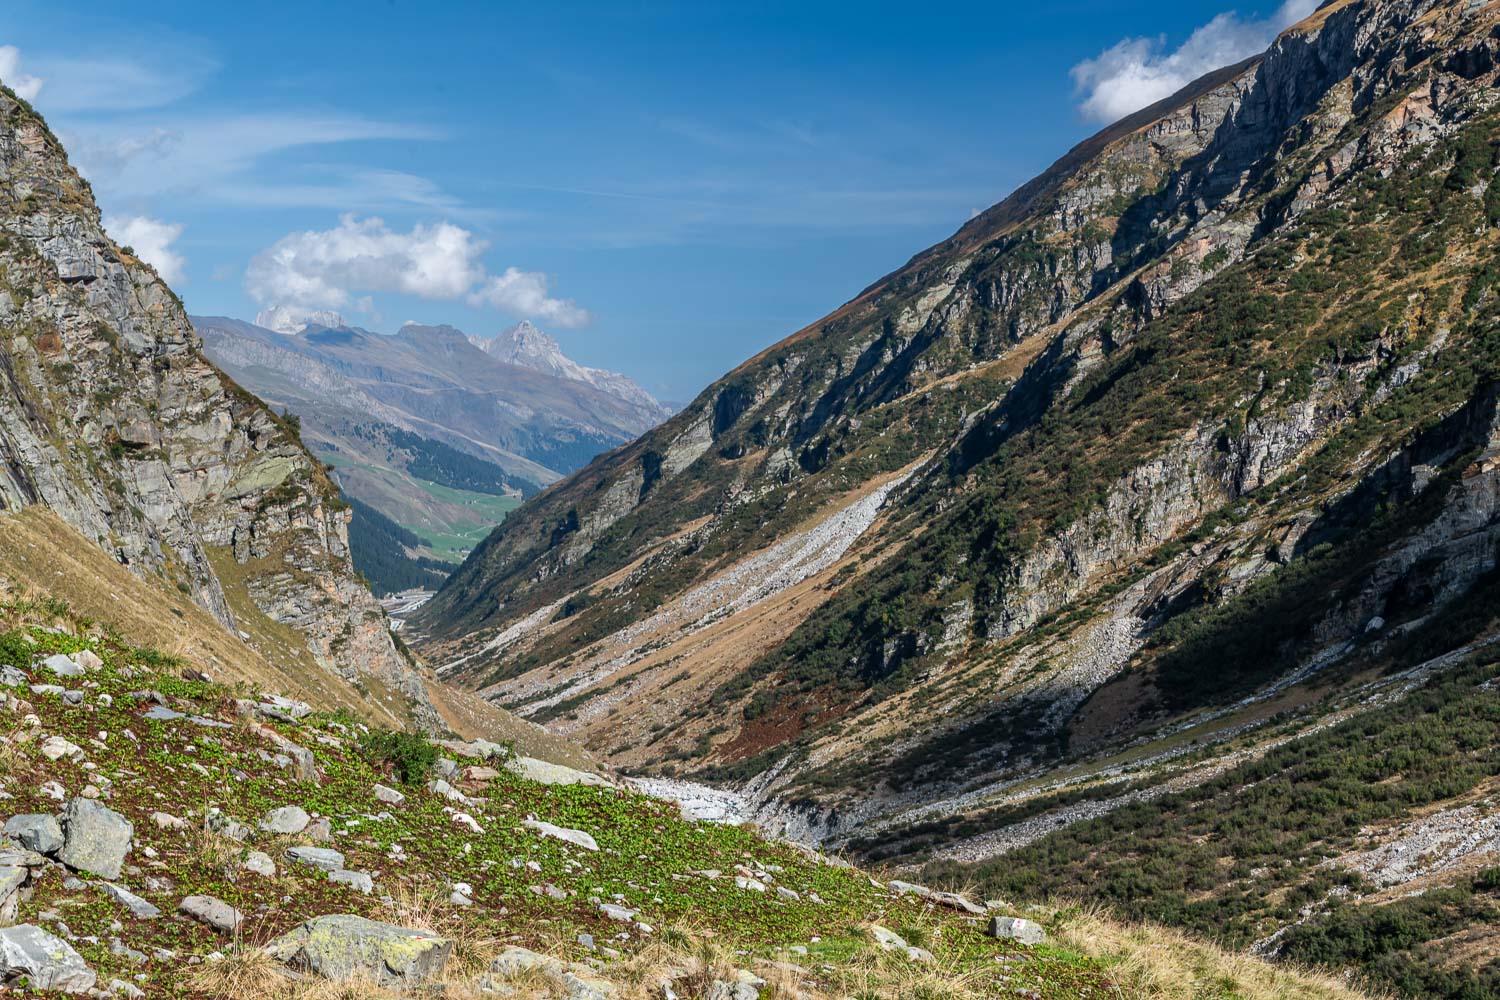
[1137, 544]
[1104, 604]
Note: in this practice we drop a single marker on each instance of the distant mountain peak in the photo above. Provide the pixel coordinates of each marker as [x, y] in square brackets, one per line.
[527, 346]
[284, 319]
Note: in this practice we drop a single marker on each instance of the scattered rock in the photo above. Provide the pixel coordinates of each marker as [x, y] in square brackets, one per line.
[285, 820]
[47, 962]
[36, 831]
[56, 748]
[389, 795]
[575, 837]
[888, 939]
[358, 881]
[213, 912]
[135, 904]
[343, 946]
[580, 981]
[319, 857]
[1017, 929]
[63, 666]
[259, 863]
[98, 838]
[546, 773]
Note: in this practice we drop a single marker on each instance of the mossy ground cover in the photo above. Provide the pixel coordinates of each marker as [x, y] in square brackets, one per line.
[650, 858]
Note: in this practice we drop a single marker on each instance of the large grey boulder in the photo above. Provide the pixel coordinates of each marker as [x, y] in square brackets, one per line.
[1017, 929]
[48, 963]
[36, 832]
[98, 838]
[343, 946]
[285, 820]
[547, 773]
[63, 666]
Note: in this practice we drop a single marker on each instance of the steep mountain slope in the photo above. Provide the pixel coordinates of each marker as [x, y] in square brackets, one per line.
[111, 417]
[1137, 459]
[525, 345]
[426, 428]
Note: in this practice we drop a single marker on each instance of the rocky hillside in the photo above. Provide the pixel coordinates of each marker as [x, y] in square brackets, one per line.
[1143, 459]
[111, 417]
[162, 837]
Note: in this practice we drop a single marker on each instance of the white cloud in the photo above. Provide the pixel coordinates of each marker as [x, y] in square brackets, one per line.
[152, 240]
[525, 293]
[25, 85]
[345, 266]
[325, 270]
[1138, 72]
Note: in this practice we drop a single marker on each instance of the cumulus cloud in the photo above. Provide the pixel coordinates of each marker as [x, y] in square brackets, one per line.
[525, 293]
[152, 240]
[1138, 72]
[25, 85]
[336, 268]
[327, 269]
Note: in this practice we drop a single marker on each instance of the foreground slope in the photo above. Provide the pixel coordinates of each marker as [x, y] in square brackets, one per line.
[1187, 420]
[205, 824]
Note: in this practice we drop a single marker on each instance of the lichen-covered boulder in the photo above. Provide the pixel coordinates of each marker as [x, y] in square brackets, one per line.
[342, 946]
[47, 963]
[98, 838]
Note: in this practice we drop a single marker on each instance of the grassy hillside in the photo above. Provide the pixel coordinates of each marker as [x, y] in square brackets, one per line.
[180, 759]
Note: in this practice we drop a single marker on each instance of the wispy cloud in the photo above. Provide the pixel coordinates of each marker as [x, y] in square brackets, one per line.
[112, 83]
[217, 158]
[1137, 72]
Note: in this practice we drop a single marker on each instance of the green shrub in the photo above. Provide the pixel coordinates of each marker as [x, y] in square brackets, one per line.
[407, 754]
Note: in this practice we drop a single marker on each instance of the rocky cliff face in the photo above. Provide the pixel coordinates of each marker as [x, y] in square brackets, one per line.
[1163, 431]
[111, 416]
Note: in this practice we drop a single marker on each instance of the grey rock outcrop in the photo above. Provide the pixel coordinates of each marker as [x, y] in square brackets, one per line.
[46, 962]
[97, 838]
[343, 946]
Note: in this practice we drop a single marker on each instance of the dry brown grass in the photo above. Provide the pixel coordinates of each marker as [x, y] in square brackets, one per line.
[1155, 963]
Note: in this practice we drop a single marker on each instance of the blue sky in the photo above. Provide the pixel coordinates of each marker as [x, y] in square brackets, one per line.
[667, 187]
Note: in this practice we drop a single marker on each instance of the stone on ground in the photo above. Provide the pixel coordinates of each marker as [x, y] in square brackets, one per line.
[325, 858]
[213, 912]
[1017, 929]
[343, 946]
[97, 838]
[575, 837]
[36, 831]
[285, 820]
[48, 963]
